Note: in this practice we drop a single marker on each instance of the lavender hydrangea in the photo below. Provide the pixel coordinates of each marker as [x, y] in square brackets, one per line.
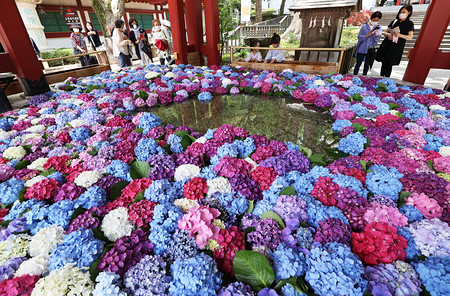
[291, 207]
[236, 289]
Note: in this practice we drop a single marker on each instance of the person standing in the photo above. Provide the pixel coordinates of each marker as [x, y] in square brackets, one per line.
[93, 37]
[120, 45]
[78, 44]
[368, 37]
[140, 40]
[161, 40]
[391, 49]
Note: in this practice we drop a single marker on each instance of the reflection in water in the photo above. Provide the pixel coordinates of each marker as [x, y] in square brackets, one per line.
[275, 119]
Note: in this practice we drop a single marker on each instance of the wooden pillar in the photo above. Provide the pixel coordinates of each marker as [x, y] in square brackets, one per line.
[17, 43]
[426, 54]
[211, 8]
[194, 23]
[176, 12]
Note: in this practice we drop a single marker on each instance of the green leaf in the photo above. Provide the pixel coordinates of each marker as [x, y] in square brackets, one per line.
[288, 191]
[116, 190]
[99, 234]
[22, 194]
[93, 271]
[254, 269]
[290, 281]
[358, 127]
[68, 146]
[117, 131]
[186, 141]
[143, 95]
[251, 205]
[249, 229]
[356, 97]
[329, 80]
[3, 206]
[140, 169]
[405, 194]
[274, 216]
[22, 164]
[393, 106]
[335, 153]
[402, 198]
[318, 159]
[48, 172]
[381, 87]
[138, 130]
[93, 151]
[27, 148]
[139, 196]
[77, 213]
[430, 164]
[5, 223]
[306, 151]
[363, 164]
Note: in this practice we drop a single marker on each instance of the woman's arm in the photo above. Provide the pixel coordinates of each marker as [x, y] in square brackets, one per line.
[406, 37]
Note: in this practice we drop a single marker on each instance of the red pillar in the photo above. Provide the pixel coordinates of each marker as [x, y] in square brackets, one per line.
[426, 54]
[211, 8]
[17, 43]
[194, 23]
[176, 12]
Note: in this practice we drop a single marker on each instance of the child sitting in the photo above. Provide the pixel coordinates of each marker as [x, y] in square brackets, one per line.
[254, 56]
[273, 54]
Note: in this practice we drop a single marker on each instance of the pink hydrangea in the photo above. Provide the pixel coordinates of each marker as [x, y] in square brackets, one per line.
[262, 153]
[5, 172]
[325, 191]
[199, 221]
[264, 177]
[43, 190]
[442, 164]
[428, 207]
[381, 213]
[230, 166]
[195, 189]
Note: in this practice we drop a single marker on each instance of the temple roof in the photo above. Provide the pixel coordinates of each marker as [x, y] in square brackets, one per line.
[312, 4]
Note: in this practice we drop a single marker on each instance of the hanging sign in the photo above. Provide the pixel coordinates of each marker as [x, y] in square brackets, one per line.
[246, 10]
[72, 18]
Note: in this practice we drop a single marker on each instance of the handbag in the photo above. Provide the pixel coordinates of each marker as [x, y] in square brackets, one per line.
[371, 54]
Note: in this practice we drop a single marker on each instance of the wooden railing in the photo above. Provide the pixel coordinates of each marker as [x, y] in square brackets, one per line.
[337, 59]
[101, 56]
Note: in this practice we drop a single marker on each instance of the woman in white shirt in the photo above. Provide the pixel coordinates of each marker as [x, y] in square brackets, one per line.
[161, 40]
[120, 45]
[254, 55]
[275, 55]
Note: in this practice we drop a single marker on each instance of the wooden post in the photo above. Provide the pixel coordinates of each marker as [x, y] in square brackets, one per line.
[425, 54]
[16, 41]
[194, 23]
[211, 8]
[176, 12]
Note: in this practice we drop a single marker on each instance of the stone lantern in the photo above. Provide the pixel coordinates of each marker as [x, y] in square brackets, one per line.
[322, 21]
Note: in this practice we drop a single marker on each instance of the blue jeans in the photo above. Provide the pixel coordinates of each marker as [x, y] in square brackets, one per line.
[360, 57]
[124, 60]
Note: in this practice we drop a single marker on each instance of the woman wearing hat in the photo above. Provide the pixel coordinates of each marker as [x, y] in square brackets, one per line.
[78, 44]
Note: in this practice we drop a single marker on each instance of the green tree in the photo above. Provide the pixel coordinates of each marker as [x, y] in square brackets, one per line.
[228, 20]
[107, 12]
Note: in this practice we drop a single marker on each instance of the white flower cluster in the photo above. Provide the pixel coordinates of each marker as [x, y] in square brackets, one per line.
[14, 153]
[185, 204]
[31, 136]
[14, 246]
[252, 162]
[444, 151]
[186, 171]
[88, 178]
[77, 123]
[68, 281]
[219, 184]
[34, 266]
[34, 180]
[45, 240]
[201, 140]
[151, 75]
[170, 74]
[116, 224]
[38, 164]
[36, 128]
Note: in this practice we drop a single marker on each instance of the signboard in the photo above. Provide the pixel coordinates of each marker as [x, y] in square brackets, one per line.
[246, 10]
[72, 18]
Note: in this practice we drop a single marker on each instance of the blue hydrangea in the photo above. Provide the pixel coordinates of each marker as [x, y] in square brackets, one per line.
[339, 124]
[334, 270]
[79, 247]
[19, 208]
[58, 176]
[382, 108]
[80, 133]
[9, 267]
[410, 103]
[64, 117]
[94, 196]
[411, 212]
[236, 289]
[108, 284]
[208, 173]
[352, 144]
[359, 109]
[174, 142]
[350, 182]
[10, 190]
[390, 84]
[354, 89]
[209, 133]
[289, 290]
[384, 181]
[317, 212]
[6, 123]
[227, 149]
[433, 142]
[304, 237]
[149, 121]
[205, 97]
[180, 246]
[435, 275]
[146, 148]
[414, 113]
[119, 169]
[164, 223]
[164, 191]
[196, 276]
[287, 262]
[235, 203]
[412, 252]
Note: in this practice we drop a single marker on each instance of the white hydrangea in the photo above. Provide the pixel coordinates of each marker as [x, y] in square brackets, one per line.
[49, 115]
[226, 81]
[116, 224]
[219, 184]
[36, 128]
[34, 266]
[14, 246]
[436, 107]
[45, 240]
[35, 120]
[444, 151]
[38, 164]
[252, 162]
[31, 136]
[4, 135]
[170, 74]
[201, 140]
[77, 123]
[151, 75]
[14, 153]
[319, 82]
[22, 117]
[67, 281]
[88, 178]
[186, 171]
[185, 204]
[34, 180]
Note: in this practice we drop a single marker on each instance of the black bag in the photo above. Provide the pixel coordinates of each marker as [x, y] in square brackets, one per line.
[93, 60]
[371, 54]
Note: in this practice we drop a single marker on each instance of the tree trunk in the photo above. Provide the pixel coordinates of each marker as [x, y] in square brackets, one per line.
[283, 3]
[258, 11]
